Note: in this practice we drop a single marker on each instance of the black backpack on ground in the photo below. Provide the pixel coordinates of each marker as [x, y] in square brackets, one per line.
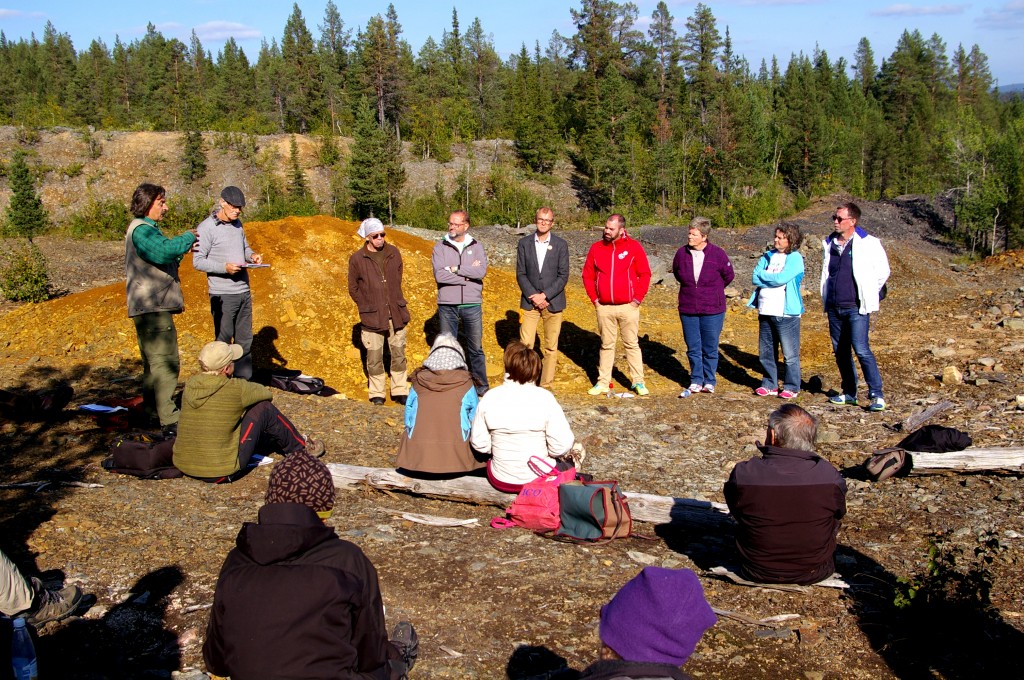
[148, 456]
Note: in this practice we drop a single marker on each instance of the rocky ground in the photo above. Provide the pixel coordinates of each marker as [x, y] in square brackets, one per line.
[149, 552]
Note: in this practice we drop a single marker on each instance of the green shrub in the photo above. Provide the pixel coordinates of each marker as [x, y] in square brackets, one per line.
[284, 206]
[104, 218]
[23, 275]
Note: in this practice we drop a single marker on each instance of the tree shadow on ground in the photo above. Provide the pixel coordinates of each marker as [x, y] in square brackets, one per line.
[51, 453]
[130, 641]
[950, 629]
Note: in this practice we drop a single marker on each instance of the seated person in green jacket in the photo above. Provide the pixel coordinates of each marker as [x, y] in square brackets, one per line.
[225, 421]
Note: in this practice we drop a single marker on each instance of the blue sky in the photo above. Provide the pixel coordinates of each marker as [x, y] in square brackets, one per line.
[759, 28]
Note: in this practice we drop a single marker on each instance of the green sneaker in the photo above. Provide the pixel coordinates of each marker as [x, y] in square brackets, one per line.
[598, 390]
[640, 389]
[843, 400]
[877, 404]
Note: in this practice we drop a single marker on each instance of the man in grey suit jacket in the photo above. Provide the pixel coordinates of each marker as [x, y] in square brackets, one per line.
[542, 270]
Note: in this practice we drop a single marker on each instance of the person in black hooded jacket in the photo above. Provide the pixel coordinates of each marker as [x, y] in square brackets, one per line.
[294, 600]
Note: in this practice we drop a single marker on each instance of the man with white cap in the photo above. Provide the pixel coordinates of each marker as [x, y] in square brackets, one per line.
[225, 421]
[375, 285]
[223, 253]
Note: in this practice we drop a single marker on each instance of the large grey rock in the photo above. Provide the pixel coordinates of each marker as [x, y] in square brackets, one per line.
[659, 269]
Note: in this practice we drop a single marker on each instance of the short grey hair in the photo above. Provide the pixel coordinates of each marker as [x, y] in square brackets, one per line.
[701, 224]
[794, 427]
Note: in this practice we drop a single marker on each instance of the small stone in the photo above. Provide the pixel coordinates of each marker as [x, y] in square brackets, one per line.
[1020, 402]
[943, 352]
[932, 509]
[814, 675]
[1010, 533]
[1015, 324]
[642, 558]
[995, 311]
[827, 436]
[951, 375]
[988, 362]
[732, 292]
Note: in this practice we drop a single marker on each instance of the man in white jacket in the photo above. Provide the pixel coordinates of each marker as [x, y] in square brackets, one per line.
[853, 272]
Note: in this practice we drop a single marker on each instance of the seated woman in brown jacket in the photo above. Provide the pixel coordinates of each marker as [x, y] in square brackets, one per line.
[439, 414]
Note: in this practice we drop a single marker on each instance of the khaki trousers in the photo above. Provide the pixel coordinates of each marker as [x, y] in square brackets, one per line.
[373, 341]
[15, 592]
[552, 326]
[613, 320]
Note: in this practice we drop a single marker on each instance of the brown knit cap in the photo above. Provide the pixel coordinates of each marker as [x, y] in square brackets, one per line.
[301, 478]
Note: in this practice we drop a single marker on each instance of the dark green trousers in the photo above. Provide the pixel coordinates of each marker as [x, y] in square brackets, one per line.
[158, 344]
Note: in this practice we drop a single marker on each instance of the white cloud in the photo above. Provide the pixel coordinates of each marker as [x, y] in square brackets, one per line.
[904, 10]
[222, 30]
[1008, 17]
[18, 14]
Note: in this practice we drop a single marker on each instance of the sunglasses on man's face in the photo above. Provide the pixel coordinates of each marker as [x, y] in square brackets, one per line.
[380, 235]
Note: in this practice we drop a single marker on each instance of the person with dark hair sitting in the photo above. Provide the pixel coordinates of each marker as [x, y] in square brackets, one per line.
[294, 600]
[787, 504]
[650, 627]
[225, 421]
[519, 420]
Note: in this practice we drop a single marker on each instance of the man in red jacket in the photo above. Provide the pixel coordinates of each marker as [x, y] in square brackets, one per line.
[617, 276]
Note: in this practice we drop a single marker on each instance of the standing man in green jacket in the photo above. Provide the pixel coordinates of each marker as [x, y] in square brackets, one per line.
[154, 297]
[225, 421]
[375, 285]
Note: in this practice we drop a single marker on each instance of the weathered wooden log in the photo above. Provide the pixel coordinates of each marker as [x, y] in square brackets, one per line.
[1009, 459]
[916, 420]
[644, 507]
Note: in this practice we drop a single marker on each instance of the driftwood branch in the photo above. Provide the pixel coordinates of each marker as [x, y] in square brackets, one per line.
[969, 460]
[644, 507]
[916, 420]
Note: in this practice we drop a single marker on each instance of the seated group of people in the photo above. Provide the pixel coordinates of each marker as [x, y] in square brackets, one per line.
[787, 503]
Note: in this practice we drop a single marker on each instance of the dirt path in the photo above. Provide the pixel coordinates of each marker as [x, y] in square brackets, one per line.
[475, 593]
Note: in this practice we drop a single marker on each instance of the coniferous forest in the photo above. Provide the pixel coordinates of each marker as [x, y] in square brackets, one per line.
[658, 125]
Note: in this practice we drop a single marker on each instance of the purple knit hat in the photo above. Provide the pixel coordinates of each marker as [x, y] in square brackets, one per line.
[657, 617]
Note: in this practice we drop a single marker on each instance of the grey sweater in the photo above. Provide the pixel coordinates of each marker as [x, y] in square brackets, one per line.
[219, 244]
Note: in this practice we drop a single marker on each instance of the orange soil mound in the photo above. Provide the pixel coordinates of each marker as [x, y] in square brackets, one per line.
[302, 311]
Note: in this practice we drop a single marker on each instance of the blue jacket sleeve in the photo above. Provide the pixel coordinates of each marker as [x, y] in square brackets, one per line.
[793, 268]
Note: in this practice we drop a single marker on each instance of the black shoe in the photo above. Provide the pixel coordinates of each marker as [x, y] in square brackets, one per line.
[407, 642]
[399, 399]
[169, 431]
[377, 401]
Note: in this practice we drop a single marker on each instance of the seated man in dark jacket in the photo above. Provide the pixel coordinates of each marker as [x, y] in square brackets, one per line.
[787, 504]
[294, 600]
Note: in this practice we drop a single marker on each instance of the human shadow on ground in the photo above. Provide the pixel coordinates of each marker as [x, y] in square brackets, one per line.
[663, 360]
[582, 347]
[129, 641]
[265, 354]
[507, 329]
[739, 367]
[533, 662]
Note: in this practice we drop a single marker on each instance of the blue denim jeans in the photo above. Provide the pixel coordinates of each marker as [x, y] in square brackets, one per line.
[849, 330]
[471, 337]
[701, 332]
[773, 332]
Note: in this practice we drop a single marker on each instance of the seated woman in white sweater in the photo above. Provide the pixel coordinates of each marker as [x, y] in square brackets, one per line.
[518, 420]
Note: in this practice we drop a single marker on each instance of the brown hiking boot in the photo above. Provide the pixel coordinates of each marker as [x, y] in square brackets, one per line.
[52, 605]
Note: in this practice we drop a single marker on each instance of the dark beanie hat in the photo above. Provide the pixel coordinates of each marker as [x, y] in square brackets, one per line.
[301, 478]
[659, 616]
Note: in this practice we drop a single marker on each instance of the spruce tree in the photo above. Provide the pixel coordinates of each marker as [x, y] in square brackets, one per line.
[376, 175]
[296, 177]
[193, 156]
[26, 216]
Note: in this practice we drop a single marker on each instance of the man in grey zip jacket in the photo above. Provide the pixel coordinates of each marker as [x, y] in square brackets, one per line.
[460, 264]
[223, 253]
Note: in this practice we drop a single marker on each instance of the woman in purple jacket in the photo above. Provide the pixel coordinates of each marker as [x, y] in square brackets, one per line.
[703, 270]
